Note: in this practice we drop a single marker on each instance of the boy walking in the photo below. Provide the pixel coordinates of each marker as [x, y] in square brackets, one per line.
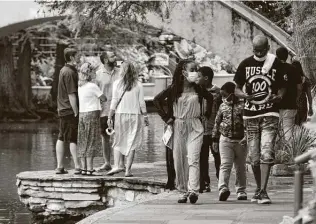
[205, 80]
[229, 131]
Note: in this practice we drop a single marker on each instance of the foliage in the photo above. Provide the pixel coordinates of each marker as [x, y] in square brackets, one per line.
[302, 139]
[278, 12]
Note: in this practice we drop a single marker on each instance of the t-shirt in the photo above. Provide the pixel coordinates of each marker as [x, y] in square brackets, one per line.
[293, 78]
[104, 80]
[262, 86]
[89, 94]
[68, 84]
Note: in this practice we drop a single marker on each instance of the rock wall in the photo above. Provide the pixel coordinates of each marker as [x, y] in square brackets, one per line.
[225, 28]
[49, 196]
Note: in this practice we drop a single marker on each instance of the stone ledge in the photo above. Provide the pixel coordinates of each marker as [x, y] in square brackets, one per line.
[47, 194]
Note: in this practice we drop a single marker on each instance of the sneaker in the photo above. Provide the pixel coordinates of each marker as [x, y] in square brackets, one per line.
[256, 196]
[224, 194]
[183, 199]
[264, 198]
[241, 196]
[193, 197]
[207, 188]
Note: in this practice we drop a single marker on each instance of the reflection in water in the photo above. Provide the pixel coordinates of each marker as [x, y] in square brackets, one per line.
[25, 147]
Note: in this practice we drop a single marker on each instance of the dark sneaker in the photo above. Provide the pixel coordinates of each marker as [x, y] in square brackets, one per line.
[183, 199]
[256, 196]
[207, 188]
[241, 196]
[224, 194]
[193, 197]
[264, 198]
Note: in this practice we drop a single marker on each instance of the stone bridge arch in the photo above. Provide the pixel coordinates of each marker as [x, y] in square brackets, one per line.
[223, 27]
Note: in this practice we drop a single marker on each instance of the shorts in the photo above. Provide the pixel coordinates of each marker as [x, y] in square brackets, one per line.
[261, 134]
[103, 125]
[68, 128]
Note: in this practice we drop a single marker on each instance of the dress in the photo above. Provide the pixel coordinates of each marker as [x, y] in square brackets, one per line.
[128, 124]
[89, 131]
[188, 139]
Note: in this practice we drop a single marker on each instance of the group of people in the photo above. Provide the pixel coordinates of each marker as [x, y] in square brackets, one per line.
[239, 120]
[92, 105]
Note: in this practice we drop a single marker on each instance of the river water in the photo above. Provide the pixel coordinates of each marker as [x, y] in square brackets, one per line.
[31, 146]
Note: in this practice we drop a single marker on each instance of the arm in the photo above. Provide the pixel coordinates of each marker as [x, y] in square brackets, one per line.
[240, 80]
[158, 103]
[142, 100]
[209, 102]
[97, 91]
[218, 120]
[73, 103]
[72, 89]
[114, 100]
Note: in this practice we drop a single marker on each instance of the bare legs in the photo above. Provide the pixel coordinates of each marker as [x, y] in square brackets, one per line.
[119, 163]
[60, 152]
[106, 152]
[73, 151]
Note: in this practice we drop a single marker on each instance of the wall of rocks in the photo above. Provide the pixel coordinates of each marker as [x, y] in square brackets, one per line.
[50, 196]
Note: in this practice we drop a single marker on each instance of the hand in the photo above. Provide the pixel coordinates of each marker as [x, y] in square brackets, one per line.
[110, 123]
[76, 114]
[274, 98]
[146, 120]
[170, 121]
[310, 111]
[249, 97]
[215, 147]
[243, 142]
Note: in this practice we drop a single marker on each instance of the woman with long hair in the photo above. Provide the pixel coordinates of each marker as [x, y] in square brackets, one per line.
[128, 104]
[303, 109]
[184, 99]
[89, 142]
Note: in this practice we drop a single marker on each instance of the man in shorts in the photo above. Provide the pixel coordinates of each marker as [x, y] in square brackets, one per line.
[105, 76]
[263, 89]
[67, 106]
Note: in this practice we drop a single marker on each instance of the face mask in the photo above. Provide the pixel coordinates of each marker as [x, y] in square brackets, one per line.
[192, 77]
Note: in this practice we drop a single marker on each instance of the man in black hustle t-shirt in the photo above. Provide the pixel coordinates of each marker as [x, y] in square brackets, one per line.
[288, 105]
[261, 114]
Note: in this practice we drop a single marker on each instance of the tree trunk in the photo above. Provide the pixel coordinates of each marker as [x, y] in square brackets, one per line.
[9, 96]
[59, 63]
[24, 75]
[304, 36]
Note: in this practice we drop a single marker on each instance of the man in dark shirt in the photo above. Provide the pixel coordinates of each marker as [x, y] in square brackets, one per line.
[68, 106]
[264, 87]
[288, 105]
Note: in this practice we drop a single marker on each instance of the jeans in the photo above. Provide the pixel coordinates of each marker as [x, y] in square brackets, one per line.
[287, 122]
[232, 152]
[204, 164]
[261, 134]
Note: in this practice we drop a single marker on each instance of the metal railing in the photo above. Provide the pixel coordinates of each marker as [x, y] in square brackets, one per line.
[304, 215]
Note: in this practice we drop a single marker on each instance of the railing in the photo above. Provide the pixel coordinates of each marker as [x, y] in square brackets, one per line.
[304, 215]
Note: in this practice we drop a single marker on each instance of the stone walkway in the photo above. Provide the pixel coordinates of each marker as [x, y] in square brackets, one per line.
[164, 209]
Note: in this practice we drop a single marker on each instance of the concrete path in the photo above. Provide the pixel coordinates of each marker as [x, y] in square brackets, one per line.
[164, 209]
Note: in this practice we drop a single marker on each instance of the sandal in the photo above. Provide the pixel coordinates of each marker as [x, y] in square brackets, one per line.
[61, 171]
[129, 175]
[90, 172]
[83, 172]
[77, 171]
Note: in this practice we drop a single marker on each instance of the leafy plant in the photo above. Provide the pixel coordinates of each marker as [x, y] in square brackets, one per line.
[301, 140]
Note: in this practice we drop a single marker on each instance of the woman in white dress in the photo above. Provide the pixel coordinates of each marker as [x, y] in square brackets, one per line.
[129, 107]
